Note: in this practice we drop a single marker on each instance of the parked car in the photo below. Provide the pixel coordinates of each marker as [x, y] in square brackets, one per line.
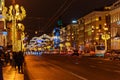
[75, 53]
[115, 55]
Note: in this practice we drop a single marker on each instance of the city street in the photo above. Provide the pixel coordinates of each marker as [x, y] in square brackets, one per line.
[60, 67]
[59, 40]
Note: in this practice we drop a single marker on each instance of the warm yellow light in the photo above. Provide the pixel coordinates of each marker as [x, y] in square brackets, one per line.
[39, 48]
[17, 13]
[67, 44]
[36, 32]
[99, 30]
[97, 19]
[16, 6]
[105, 24]
[21, 26]
[92, 30]
[61, 45]
[48, 47]
[14, 13]
[92, 27]
[105, 36]
[105, 28]
[97, 27]
[97, 38]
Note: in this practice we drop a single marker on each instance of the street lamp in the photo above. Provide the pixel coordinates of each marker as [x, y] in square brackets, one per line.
[105, 37]
[14, 13]
[74, 22]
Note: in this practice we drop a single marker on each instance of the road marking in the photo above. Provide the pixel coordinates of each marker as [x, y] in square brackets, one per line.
[92, 66]
[80, 77]
[117, 71]
[100, 62]
[76, 63]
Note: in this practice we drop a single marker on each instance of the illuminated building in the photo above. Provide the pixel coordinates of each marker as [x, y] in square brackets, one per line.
[95, 24]
[115, 25]
[68, 42]
[62, 38]
[72, 35]
[81, 23]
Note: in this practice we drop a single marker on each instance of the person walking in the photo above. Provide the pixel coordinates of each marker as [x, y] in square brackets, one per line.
[11, 58]
[1, 72]
[20, 60]
[15, 60]
[7, 57]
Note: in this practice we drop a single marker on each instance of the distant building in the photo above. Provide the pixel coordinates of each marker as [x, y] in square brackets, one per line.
[95, 24]
[90, 28]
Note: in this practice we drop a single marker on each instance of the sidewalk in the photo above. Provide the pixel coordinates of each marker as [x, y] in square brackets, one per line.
[10, 73]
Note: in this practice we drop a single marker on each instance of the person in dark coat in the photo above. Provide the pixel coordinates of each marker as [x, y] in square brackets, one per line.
[15, 59]
[20, 60]
[1, 73]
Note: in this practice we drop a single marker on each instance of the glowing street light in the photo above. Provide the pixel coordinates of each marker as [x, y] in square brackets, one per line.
[105, 37]
[14, 13]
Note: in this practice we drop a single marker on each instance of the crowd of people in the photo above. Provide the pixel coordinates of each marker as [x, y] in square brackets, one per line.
[14, 59]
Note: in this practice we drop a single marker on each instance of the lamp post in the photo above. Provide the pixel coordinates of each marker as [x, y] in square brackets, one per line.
[105, 37]
[74, 22]
[14, 13]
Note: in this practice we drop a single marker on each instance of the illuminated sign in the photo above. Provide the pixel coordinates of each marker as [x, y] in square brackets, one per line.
[4, 33]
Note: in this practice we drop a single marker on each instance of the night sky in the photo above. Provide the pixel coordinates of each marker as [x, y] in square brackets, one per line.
[43, 14]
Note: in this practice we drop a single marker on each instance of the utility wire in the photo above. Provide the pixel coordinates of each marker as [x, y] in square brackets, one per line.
[59, 12]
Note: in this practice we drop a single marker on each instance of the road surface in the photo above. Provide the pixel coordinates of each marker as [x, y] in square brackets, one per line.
[57, 67]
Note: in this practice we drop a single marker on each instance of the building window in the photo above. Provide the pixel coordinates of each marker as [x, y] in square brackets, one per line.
[100, 18]
[100, 26]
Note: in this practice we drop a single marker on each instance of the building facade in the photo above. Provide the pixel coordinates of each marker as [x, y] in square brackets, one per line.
[92, 29]
[115, 25]
[96, 24]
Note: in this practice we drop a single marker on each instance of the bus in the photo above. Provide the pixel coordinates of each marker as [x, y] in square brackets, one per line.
[100, 50]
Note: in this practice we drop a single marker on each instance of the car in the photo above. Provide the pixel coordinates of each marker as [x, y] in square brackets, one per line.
[115, 55]
[75, 53]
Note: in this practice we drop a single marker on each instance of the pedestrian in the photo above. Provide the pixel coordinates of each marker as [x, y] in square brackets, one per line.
[2, 55]
[7, 57]
[15, 59]
[11, 58]
[20, 60]
[1, 73]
